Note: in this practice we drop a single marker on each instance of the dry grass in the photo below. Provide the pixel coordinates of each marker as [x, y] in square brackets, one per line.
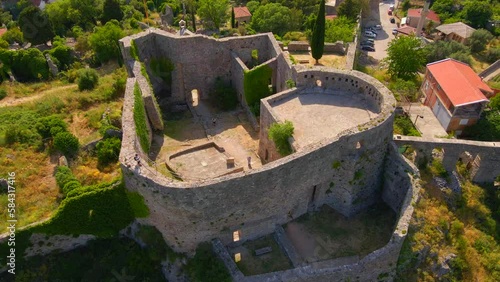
[36, 191]
[328, 60]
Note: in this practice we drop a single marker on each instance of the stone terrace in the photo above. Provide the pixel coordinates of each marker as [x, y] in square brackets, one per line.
[318, 116]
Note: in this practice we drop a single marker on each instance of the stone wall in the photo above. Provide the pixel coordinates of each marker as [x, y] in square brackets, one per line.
[486, 155]
[152, 109]
[379, 265]
[336, 48]
[301, 46]
[352, 47]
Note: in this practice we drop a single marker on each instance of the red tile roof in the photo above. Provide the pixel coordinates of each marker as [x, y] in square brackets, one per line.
[460, 83]
[431, 15]
[241, 12]
[407, 30]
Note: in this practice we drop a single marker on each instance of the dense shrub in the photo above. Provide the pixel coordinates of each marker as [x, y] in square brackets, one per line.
[66, 143]
[279, 133]
[206, 267]
[49, 126]
[108, 151]
[3, 94]
[104, 41]
[28, 65]
[256, 83]
[88, 79]
[98, 211]
[140, 120]
[64, 176]
[70, 186]
[62, 56]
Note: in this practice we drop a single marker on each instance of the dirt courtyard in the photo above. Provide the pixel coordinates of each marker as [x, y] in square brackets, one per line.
[327, 234]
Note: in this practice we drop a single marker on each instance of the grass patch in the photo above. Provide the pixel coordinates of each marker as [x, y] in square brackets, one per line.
[404, 126]
[251, 264]
[206, 267]
[140, 120]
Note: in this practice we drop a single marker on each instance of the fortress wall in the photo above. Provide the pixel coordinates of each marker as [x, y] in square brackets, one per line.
[253, 202]
[243, 46]
[349, 81]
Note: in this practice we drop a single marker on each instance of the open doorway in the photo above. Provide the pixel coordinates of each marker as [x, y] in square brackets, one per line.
[195, 97]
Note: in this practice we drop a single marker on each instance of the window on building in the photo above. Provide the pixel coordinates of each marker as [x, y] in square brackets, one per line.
[464, 121]
[236, 235]
[237, 257]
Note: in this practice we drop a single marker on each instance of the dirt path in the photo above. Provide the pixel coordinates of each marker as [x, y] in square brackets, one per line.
[10, 101]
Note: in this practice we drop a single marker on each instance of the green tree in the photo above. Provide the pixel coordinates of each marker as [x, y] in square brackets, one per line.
[29, 65]
[405, 56]
[272, 17]
[252, 6]
[477, 13]
[13, 35]
[213, 12]
[478, 40]
[349, 9]
[86, 12]
[50, 126]
[35, 25]
[441, 49]
[233, 23]
[59, 15]
[111, 11]
[88, 79]
[66, 143]
[318, 35]
[104, 41]
[406, 5]
[108, 151]
[339, 29]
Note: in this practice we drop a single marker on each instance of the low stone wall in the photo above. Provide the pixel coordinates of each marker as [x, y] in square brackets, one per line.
[353, 46]
[286, 246]
[336, 48]
[300, 46]
[152, 109]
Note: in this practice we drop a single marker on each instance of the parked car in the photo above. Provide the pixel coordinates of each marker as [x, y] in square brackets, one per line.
[394, 31]
[370, 39]
[389, 13]
[392, 20]
[368, 48]
[370, 34]
[377, 27]
[367, 43]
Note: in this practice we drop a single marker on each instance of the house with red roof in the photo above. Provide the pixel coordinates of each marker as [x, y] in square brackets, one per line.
[455, 93]
[242, 15]
[414, 15]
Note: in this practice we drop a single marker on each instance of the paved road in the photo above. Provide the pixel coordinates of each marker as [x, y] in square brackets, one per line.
[379, 16]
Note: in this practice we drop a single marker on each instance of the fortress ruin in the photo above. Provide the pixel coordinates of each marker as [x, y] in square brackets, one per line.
[231, 191]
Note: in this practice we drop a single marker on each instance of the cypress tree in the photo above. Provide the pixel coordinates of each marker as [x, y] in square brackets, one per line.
[318, 36]
[233, 24]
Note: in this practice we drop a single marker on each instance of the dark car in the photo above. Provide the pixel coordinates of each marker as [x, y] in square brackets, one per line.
[367, 48]
[367, 43]
[393, 20]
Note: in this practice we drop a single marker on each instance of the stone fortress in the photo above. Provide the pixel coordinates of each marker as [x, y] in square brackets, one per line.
[343, 152]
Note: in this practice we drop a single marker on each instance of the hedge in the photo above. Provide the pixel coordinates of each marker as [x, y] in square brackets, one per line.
[98, 211]
[64, 175]
[256, 84]
[140, 120]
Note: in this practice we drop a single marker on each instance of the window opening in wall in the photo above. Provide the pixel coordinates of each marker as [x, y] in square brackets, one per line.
[313, 194]
[236, 235]
[195, 97]
[237, 257]
[267, 155]
[358, 145]
[464, 121]
[305, 76]
[318, 83]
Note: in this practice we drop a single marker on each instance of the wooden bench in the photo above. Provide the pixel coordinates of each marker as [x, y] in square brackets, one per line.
[304, 61]
[263, 251]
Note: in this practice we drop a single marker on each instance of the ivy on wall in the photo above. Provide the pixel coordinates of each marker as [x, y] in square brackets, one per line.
[256, 84]
[162, 67]
[133, 50]
[140, 119]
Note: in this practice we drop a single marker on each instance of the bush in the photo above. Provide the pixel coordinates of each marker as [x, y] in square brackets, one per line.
[66, 143]
[70, 186]
[206, 267]
[29, 65]
[108, 151]
[99, 210]
[437, 168]
[279, 133]
[3, 94]
[63, 56]
[64, 175]
[50, 126]
[87, 79]
[404, 126]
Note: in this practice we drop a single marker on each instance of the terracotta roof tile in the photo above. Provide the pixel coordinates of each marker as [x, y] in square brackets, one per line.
[415, 13]
[460, 83]
[241, 12]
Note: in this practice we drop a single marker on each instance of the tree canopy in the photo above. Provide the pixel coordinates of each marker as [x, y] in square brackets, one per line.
[111, 11]
[214, 12]
[477, 13]
[104, 41]
[478, 40]
[272, 17]
[35, 25]
[405, 56]
[339, 29]
[349, 9]
[318, 36]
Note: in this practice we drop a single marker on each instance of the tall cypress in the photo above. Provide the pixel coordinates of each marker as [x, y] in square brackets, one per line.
[233, 23]
[318, 36]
